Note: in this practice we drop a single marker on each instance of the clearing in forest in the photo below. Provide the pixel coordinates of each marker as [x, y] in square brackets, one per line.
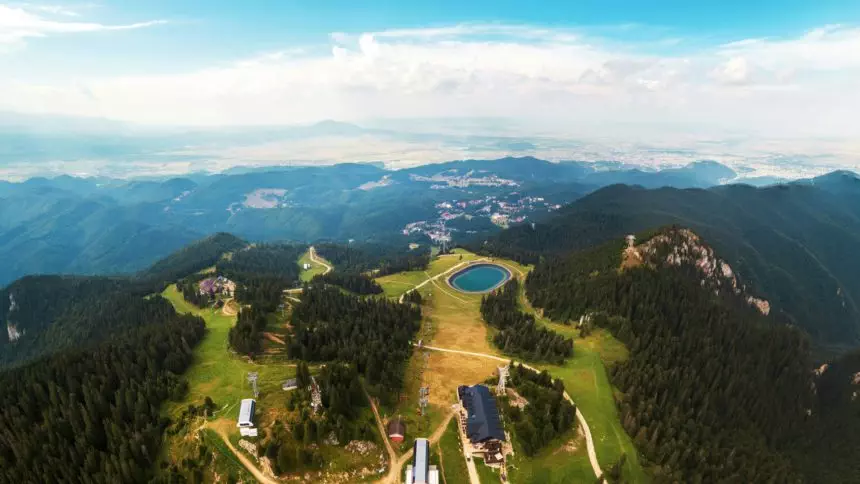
[316, 267]
[452, 320]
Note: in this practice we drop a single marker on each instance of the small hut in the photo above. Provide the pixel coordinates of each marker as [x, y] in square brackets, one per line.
[396, 430]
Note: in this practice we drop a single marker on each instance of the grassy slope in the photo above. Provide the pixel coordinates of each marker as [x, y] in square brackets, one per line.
[220, 374]
[396, 284]
[216, 371]
[456, 324]
[555, 464]
[587, 381]
[486, 474]
[316, 268]
[451, 450]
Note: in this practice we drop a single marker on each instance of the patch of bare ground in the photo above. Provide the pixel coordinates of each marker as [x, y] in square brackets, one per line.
[572, 445]
[631, 258]
[274, 338]
[446, 371]
[516, 399]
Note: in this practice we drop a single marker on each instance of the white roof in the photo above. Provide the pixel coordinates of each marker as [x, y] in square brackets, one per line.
[246, 412]
[434, 475]
[422, 464]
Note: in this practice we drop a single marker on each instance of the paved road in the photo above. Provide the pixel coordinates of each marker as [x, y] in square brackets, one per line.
[592, 454]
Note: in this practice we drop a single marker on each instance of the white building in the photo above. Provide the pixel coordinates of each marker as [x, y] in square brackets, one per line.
[246, 418]
[420, 471]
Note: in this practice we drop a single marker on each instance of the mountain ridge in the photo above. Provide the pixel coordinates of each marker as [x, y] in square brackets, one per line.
[794, 243]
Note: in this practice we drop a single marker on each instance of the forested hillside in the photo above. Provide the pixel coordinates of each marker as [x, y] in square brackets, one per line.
[93, 415]
[262, 272]
[379, 259]
[373, 334]
[40, 315]
[519, 334]
[713, 390]
[45, 314]
[192, 258]
[794, 244]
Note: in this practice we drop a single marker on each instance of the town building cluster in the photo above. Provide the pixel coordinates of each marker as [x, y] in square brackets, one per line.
[500, 210]
[217, 286]
[450, 179]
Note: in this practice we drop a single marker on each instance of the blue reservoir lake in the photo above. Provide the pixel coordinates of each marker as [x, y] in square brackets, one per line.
[479, 278]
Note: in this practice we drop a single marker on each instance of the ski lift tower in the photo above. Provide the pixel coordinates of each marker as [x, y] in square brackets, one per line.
[503, 378]
[252, 379]
[423, 399]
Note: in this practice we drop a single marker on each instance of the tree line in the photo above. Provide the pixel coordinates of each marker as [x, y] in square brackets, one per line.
[712, 391]
[354, 283]
[547, 414]
[376, 258]
[294, 445]
[519, 333]
[373, 334]
[94, 414]
[245, 335]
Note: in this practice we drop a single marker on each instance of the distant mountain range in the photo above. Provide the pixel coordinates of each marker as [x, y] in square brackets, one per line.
[102, 225]
[796, 244]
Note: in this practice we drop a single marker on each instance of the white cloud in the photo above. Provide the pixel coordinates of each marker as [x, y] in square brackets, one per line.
[804, 86]
[734, 71]
[20, 23]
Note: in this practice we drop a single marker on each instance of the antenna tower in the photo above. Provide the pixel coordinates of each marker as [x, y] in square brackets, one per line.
[423, 399]
[252, 379]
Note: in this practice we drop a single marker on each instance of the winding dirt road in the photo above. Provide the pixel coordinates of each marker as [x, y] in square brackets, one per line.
[313, 254]
[250, 466]
[396, 464]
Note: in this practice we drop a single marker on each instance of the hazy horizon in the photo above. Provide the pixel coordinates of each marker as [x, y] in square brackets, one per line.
[155, 88]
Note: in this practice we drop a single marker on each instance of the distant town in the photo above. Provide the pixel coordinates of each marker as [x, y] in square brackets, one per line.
[500, 211]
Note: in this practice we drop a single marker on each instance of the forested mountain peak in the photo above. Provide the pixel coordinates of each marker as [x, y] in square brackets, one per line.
[713, 390]
[676, 246]
[794, 244]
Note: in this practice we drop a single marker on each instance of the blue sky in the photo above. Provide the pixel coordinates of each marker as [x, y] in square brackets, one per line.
[745, 65]
[205, 31]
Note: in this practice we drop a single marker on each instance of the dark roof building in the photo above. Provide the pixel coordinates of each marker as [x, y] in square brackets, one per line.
[207, 286]
[483, 421]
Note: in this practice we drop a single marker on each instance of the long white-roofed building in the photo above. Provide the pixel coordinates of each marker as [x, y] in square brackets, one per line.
[420, 471]
[246, 418]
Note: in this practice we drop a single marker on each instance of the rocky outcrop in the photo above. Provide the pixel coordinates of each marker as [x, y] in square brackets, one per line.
[676, 247]
[11, 328]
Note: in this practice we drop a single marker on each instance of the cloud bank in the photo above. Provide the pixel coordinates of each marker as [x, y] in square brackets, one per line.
[17, 24]
[793, 87]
